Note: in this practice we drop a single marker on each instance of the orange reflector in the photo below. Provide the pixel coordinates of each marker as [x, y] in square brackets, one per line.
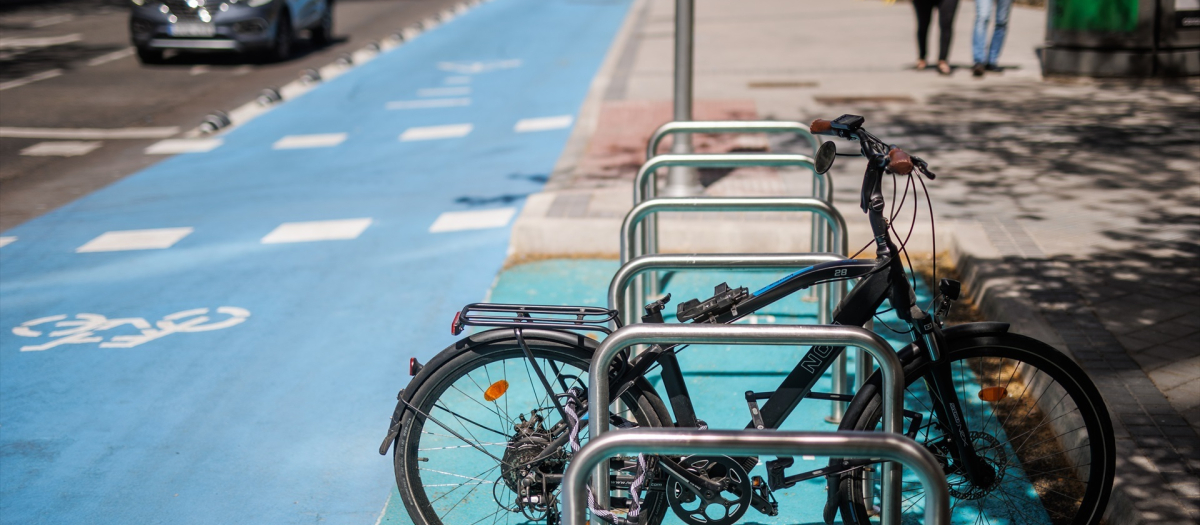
[496, 390]
[993, 394]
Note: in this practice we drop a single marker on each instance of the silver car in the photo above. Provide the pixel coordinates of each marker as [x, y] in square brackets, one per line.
[265, 28]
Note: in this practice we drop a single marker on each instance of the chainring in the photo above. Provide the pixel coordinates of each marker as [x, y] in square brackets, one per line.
[725, 508]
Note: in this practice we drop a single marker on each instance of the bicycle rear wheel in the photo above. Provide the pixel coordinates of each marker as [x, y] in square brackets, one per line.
[1034, 417]
[489, 414]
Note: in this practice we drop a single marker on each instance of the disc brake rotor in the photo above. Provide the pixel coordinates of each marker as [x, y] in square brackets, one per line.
[724, 508]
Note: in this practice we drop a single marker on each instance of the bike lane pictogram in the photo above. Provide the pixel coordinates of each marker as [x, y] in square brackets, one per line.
[119, 404]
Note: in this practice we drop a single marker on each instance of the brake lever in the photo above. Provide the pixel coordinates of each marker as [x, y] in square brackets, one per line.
[923, 167]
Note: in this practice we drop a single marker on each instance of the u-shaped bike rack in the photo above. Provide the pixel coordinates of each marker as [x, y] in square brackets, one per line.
[828, 335]
[872, 445]
[729, 126]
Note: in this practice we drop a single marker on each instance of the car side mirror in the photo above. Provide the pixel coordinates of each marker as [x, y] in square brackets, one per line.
[825, 155]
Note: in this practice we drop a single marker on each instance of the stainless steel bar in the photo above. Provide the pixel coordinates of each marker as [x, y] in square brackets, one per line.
[617, 295]
[728, 126]
[632, 238]
[833, 335]
[890, 447]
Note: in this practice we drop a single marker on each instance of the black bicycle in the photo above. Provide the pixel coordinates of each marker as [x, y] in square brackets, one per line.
[485, 429]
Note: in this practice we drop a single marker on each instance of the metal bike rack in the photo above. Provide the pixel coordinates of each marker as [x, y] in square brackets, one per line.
[645, 185]
[869, 445]
[633, 238]
[729, 126]
[701, 261]
[828, 335]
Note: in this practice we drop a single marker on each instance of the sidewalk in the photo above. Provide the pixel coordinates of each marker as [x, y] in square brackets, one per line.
[1072, 208]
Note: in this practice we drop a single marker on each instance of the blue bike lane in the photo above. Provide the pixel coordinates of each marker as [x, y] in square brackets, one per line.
[219, 338]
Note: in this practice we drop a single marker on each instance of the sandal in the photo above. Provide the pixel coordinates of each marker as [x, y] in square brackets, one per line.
[943, 68]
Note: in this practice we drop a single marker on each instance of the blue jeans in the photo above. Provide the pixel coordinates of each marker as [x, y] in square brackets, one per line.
[982, 51]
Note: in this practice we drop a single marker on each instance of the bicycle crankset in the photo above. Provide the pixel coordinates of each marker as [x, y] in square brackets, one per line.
[709, 508]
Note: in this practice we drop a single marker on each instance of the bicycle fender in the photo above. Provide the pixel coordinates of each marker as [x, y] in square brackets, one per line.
[404, 397]
[907, 354]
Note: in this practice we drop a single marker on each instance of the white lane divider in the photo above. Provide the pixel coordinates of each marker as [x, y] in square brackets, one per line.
[317, 231]
[115, 55]
[89, 133]
[470, 68]
[124, 240]
[46, 41]
[452, 221]
[320, 140]
[457, 80]
[444, 91]
[436, 132]
[30, 79]
[173, 146]
[429, 103]
[66, 148]
[51, 20]
[543, 123]
[5, 241]
[82, 328]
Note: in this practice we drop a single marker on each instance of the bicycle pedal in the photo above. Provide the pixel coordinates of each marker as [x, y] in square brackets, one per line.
[763, 500]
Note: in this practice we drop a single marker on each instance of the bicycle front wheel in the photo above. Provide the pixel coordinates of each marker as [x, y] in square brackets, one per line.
[483, 417]
[1035, 419]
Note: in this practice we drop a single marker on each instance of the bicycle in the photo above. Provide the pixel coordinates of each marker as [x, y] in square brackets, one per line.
[1022, 434]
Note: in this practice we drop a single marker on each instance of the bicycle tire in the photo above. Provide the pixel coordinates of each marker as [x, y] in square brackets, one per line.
[419, 500]
[978, 363]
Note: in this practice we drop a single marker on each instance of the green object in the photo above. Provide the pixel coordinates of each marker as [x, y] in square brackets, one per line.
[1116, 16]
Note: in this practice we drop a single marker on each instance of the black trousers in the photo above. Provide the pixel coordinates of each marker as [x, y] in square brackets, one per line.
[946, 9]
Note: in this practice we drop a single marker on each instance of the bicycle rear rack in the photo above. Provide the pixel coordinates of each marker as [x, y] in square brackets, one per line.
[498, 315]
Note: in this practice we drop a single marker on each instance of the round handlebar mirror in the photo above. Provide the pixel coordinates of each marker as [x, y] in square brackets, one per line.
[825, 155]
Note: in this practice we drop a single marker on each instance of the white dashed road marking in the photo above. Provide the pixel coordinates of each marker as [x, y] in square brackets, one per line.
[322, 140]
[89, 133]
[47, 41]
[173, 146]
[115, 55]
[444, 92]
[429, 103]
[117, 241]
[317, 231]
[543, 123]
[30, 79]
[436, 132]
[5, 241]
[452, 221]
[457, 81]
[471, 68]
[51, 20]
[68, 148]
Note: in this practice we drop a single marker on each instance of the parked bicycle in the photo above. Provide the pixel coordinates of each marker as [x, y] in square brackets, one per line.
[483, 432]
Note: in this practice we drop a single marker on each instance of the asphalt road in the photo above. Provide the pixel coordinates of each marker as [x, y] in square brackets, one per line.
[102, 85]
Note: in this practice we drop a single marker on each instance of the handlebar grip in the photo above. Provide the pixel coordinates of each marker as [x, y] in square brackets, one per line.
[821, 127]
[899, 162]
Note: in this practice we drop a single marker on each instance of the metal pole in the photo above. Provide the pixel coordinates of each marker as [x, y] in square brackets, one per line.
[834, 335]
[617, 294]
[736, 443]
[683, 182]
[862, 370]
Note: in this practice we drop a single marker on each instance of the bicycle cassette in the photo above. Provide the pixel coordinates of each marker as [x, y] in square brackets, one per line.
[724, 508]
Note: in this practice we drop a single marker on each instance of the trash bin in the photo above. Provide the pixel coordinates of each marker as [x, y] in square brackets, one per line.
[1122, 38]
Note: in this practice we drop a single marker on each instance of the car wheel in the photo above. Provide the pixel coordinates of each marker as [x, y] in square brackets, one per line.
[281, 48]
[148, 55]
[322, 34]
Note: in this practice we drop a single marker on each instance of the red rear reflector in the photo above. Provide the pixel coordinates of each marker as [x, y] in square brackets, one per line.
[993, 394]
[413, 366]
[454, 328]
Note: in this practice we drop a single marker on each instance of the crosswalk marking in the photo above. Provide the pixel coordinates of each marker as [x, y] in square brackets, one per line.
[436, 132]
[123, 240]
[543, 123]
[321, 140]
[472, 220]
[5, 241]
[66, 148]
[309, 231]
[429, 103]
[173, 146]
